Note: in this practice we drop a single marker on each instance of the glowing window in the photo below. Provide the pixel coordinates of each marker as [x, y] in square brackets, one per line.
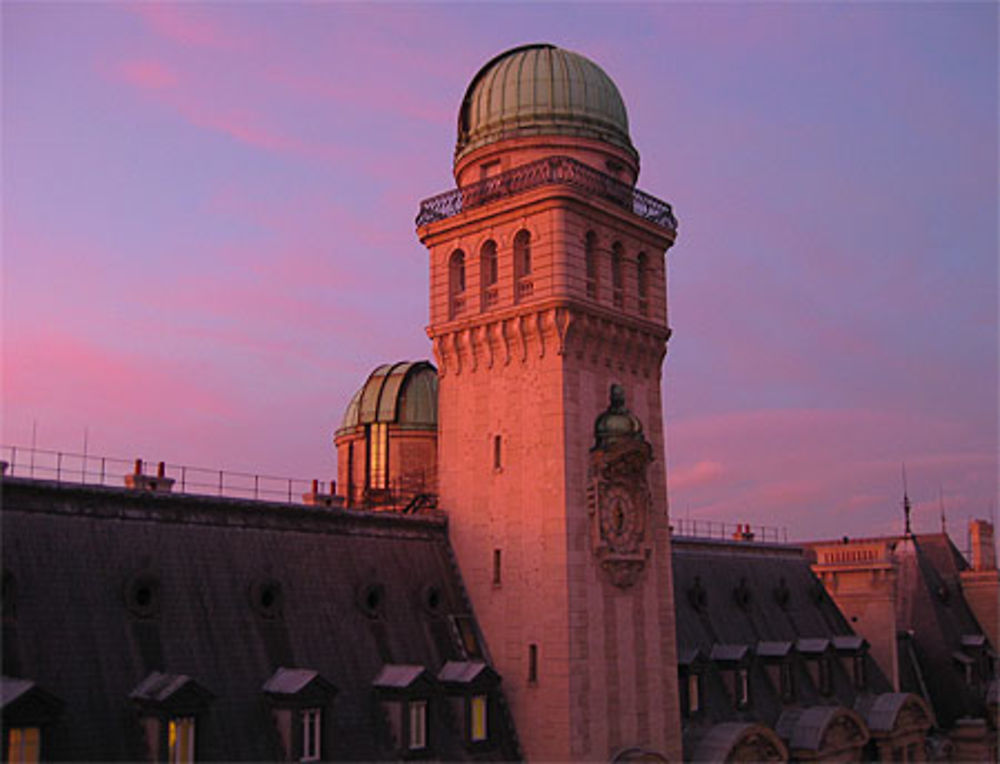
[477, 711]
[418, 724]
[180, 740]
[378, 453]
[312, 728]
[23, 745]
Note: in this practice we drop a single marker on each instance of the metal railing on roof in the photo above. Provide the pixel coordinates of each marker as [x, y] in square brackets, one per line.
[87, 469]
[716, 529]
[559, 170]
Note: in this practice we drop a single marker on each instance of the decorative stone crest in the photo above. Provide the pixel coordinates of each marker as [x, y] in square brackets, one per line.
[618, 492]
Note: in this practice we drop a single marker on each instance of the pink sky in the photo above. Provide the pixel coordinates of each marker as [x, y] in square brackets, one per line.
[208, 233]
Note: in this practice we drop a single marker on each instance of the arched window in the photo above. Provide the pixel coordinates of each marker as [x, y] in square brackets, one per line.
[590, 253]
[642, 276]
[488, 273]
[456, 283]
[523, 285]
[617, 276]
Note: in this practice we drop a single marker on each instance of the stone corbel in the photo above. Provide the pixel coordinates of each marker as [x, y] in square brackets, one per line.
[456, 350]
[505, 340]
[439, 356]
[538, 321]
[561, 320]
[472, 345]
[485, 333]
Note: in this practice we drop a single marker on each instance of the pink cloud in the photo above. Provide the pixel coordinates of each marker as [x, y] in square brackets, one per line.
[697, 474]
[184, 24]
[147, 74]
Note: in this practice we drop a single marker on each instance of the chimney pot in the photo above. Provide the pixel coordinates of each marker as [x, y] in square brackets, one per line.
[138, 467]
[315, 486]
[161, 470]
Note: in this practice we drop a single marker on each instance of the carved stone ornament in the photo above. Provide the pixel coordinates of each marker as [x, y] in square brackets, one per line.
[618, 492]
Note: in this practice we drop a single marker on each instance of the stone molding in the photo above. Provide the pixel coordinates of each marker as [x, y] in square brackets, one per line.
[534, 331]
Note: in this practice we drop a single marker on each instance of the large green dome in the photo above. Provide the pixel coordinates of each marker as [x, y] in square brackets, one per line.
[541, 90]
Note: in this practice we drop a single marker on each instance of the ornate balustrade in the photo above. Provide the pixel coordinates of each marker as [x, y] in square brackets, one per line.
[558, 170]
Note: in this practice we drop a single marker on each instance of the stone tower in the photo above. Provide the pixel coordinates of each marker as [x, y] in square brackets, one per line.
[548, 287]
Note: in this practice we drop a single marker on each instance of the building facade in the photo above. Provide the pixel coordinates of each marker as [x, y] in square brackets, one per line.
[547, 288]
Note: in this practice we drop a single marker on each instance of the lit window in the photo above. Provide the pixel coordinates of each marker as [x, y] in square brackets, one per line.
[23, 745]
[590, 253]
[312, 734]
[694, 693]
[180, 740]
[378, 443]
[617, 276]
[478, 722]
[418, 724]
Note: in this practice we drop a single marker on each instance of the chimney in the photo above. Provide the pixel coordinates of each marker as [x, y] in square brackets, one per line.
[315, 498]
[981, 541]
[140, 482]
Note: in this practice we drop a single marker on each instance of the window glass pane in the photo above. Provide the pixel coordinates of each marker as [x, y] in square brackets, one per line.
[311, 734]
[478, 710]
[418, 724]
[694, 700]
[23, 745]
[180, 740]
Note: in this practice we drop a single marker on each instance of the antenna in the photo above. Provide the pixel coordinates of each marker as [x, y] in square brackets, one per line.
[906, 504]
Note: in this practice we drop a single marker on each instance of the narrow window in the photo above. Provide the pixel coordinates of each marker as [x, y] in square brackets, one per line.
[642, 276]
[378, 447]
[418, 725]
[350, 473]
[617, 276]
[456, 283]
[23, 745]
[523, 285]
[742, 687]
[860, 679]
[825, 676]
[497, 452]
[180, 740]
[311, 734]
[694, 693]
[590, 253]
[488, 274]
[532, 663]
[497, 580]
[478, 725]
[787, 689]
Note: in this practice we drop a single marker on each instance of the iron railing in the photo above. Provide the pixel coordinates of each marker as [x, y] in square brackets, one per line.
[716, 529]
[87, 469]
[558, 170]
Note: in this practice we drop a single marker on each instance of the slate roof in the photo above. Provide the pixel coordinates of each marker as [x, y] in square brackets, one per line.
[756, 602]
[113, 585]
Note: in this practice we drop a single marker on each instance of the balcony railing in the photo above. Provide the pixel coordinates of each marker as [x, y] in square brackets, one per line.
[559, 170]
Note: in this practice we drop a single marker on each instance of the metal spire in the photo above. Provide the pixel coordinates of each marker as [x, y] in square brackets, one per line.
[944, 522]
[906, 505]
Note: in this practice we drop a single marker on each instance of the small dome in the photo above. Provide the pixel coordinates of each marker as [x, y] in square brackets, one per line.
[617, 423]
[403, 393]
[541, 90]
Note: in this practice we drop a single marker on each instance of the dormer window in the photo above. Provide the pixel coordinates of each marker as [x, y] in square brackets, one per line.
[469, 685]
[734, 662]
[23, 745]
[298, 698]
[417, 725]
[27, 710]
[169, 705]
[777, 658]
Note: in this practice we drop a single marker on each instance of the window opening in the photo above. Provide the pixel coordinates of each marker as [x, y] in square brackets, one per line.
[180, 740]
[590, 254]
[787, 689]
[478, 713]
[378, 455]
[496, 568]
[532, 663]
[825, 676]
[860, 679]
[312, 728]
[488, 270]
[694, 693]
[418, 725]
[617, 276]
[523, 286]
[497, 452]
[456, 283]
[23, 745]
[742, 687]
[642, 274]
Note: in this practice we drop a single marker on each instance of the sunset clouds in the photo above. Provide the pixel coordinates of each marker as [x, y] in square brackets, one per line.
[208, 233]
